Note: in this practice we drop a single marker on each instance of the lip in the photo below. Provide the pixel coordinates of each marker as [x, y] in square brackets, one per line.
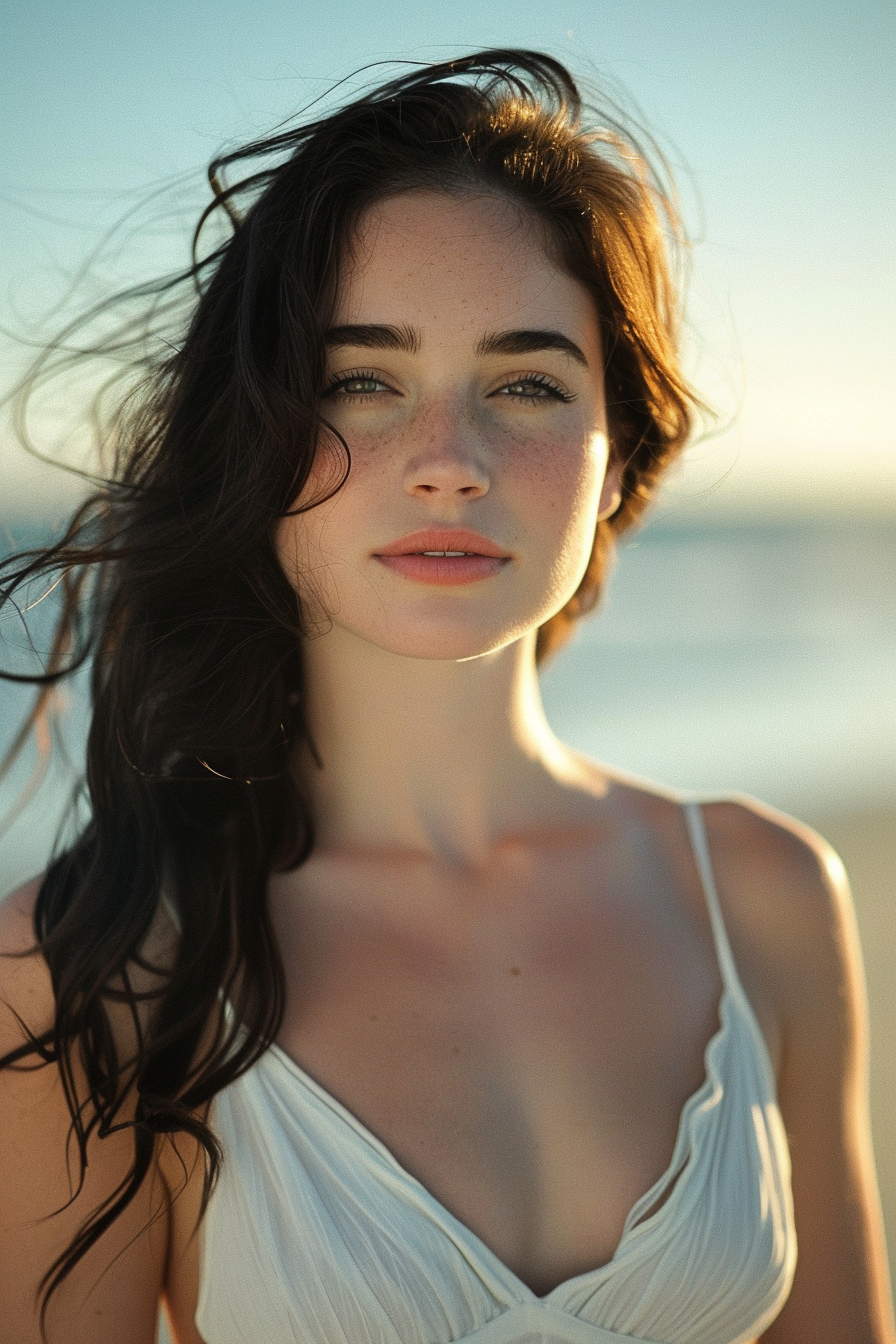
[443, 539]
[481, 558]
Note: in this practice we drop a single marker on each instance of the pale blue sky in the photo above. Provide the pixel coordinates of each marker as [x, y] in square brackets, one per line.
[783, 114]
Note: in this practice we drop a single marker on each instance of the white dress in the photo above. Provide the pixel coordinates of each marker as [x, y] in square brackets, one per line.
[315, 1234]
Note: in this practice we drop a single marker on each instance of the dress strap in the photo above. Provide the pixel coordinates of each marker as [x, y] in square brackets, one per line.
[697, 831]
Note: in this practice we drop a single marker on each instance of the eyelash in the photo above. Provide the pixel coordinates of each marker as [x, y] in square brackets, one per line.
[356, 376]
[536, 380]
[539, 380]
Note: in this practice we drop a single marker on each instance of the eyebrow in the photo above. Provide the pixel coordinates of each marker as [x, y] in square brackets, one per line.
[376, 337]
[526, 341]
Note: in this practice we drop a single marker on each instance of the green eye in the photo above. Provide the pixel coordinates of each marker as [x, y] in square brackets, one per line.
[358, 384]
[534, 387]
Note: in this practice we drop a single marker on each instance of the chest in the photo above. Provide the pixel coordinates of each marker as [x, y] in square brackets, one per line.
[524, 1053]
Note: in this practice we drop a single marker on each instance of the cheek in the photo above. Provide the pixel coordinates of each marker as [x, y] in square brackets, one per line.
[314, 546]
[328, 469]
[561, 488]
[561, 477]
[300, 538]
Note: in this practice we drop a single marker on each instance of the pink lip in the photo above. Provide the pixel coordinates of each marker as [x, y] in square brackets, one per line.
[444, 539]
[480, 560]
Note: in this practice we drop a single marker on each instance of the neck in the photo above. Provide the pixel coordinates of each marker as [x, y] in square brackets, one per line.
[447, 758]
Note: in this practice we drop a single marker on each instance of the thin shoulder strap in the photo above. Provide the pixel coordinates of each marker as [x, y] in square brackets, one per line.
[700, 846]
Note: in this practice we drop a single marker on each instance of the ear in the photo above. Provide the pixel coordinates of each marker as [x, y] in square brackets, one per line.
[611, 490]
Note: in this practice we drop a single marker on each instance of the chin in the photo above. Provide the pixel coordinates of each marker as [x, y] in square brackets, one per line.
[443, 642]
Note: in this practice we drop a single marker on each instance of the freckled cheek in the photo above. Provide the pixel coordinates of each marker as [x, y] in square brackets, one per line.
[562, 475]
[371, 454]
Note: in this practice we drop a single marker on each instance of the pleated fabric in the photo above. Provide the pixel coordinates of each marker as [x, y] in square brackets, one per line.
[316, 1234]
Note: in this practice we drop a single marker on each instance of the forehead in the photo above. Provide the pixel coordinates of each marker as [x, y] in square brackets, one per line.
[456, 264]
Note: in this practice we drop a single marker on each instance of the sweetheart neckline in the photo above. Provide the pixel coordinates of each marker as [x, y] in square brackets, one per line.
[674, 1173]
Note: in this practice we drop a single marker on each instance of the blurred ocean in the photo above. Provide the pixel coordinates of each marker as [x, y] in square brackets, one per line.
[757, 657]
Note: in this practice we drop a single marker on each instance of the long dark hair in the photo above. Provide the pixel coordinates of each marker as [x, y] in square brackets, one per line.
[173, 596]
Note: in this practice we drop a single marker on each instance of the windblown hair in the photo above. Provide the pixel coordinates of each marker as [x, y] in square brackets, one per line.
[174, 598]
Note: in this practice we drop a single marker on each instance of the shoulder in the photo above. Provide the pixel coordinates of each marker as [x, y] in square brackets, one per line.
[43, 1211]
[783, 889]
[786, 902]
[26, 992]
[26, 989]
[45, 1193]
[786, 905]
[782, 883]
[17, 919]
[754, 840]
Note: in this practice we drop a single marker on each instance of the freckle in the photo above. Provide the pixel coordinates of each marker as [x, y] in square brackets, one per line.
[374, 1017]
[514, 970]
[455, 1049]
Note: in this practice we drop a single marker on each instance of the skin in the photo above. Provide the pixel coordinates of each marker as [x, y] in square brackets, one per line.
[501, 962]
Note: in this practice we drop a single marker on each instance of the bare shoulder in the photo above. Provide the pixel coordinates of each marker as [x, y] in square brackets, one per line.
[42, 1201]
[26, 990]
[769, 848]
[26, 993]
[786, 906]
[17, 915]
[783, 889]
[786, 898]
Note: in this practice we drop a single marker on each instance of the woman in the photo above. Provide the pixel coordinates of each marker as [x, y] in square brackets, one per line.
[482, 1039]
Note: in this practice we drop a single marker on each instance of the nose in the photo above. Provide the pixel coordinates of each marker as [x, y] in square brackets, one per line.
[447, 464]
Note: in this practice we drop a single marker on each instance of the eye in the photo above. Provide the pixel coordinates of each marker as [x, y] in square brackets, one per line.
[359, 385]
[533, 387]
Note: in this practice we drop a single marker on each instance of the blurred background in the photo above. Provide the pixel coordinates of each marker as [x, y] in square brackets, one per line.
[748, 639]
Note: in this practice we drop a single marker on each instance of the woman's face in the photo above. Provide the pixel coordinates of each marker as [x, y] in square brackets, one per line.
[464, 373]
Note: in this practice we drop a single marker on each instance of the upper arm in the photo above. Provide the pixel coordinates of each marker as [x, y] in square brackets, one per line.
[120, 1278]
[786, 894]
